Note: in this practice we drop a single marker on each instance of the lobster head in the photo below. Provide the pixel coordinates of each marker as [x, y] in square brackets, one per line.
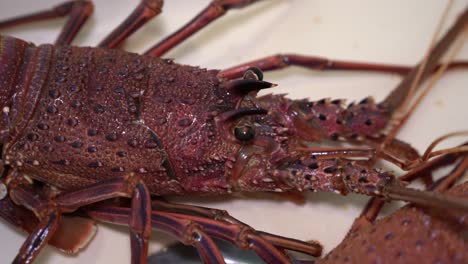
[273, 134]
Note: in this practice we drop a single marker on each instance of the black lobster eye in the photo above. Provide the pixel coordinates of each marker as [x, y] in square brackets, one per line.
[244, 133]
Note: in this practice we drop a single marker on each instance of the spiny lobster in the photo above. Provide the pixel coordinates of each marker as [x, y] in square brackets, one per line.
[308, 94]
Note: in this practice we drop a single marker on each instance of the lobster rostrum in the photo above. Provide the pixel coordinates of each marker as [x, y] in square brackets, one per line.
[91, 124]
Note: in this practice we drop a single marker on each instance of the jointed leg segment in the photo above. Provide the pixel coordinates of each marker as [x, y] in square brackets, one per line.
[214, 10]
[78, 11]
[264, 244]
[145, 11]
[312, 248]
[49, 210]
[280, 61]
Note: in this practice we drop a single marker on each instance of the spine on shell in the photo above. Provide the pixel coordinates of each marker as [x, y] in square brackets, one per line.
[336, 121]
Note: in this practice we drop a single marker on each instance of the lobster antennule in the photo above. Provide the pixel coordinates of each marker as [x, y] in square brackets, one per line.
[245, 86]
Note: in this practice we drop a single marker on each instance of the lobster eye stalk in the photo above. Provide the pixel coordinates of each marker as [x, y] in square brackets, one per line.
[253, 73]
[241, 133]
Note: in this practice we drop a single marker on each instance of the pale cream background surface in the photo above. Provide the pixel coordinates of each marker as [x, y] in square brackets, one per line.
[396, 31]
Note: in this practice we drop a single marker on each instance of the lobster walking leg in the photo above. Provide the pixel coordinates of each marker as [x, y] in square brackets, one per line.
[78, 11]
[182, 229]
[312, 248]
[73, 234]
[16, 215]
[140, 223]
[280, 61]
[49, 213]
[38, 238]
[214, 10]
[145, 11]
[244, 237]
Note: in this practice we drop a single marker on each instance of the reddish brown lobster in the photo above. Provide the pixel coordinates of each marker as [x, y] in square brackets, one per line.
[84, 125]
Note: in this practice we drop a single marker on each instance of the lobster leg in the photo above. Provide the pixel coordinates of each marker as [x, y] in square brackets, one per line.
[182, 229]
[220, 216]
[38, 238]
[312, 248]
[17, 215]
[77, 10]
[214, 10]
[145, 11]
[73, 234]
[139, 221]
[280, 61]
[244, 237]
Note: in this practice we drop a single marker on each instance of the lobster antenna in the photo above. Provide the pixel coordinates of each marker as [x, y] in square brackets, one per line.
[422, 66]
[395, 191]
[432, 82]
[392, 101]
[245, 86]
